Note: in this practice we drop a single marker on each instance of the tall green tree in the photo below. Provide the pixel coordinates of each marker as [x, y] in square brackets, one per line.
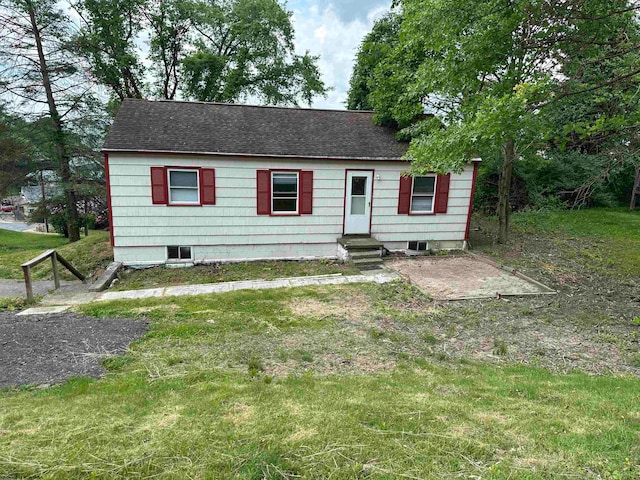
[245, 48]
[107, 40]
[42, 73]
[208, 50]
[492, 72]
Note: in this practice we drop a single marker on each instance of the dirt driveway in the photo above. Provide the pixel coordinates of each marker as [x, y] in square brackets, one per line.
[46, 349]
[462, 277]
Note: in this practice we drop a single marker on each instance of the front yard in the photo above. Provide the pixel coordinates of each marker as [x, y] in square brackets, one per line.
[365, 381]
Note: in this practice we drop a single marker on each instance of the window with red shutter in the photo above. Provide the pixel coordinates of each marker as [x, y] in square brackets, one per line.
[424, 195]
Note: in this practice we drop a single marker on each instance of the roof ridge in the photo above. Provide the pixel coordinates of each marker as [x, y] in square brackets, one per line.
[306, 109]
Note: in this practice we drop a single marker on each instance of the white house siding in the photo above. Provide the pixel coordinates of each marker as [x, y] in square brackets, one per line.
[231, 229]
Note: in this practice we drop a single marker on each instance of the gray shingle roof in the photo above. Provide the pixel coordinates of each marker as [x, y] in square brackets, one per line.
[215, 128]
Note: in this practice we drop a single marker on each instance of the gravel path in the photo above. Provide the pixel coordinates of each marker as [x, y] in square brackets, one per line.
[48, 349]
[15, 288]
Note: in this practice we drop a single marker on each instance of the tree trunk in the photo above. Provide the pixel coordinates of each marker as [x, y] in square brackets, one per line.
[504, 188]
[61, 153]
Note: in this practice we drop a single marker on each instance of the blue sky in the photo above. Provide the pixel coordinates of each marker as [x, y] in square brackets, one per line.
[334, 29]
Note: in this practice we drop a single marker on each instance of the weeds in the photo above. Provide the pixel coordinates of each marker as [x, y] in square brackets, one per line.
[499, 348]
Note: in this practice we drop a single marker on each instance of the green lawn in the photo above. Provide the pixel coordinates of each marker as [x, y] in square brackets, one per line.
[365, 381]
[266, 270]
[246, 385]
[620, 223]
[16, 248]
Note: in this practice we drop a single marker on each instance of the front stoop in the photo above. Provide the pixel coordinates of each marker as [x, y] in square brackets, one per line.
[363, 252]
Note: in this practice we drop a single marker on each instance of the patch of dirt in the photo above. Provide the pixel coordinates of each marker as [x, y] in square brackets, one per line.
[360, 363]
[239, 414]
[538, 332]
[47, 349]
[590, 325]
[352, 308]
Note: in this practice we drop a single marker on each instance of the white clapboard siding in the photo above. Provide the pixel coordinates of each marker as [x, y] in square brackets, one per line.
[231, 229]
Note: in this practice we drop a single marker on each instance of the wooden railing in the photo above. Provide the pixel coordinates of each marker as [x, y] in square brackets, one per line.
[55, 258]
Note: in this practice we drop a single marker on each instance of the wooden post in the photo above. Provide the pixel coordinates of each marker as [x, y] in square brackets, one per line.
[27, 280]
[54, 267]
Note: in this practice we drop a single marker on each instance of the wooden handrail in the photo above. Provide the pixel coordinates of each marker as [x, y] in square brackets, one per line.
[55, 257]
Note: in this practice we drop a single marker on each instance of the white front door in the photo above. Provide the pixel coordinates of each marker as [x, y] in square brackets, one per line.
[357, 207]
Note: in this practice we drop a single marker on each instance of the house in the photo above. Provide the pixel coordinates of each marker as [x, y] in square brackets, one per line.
[31, 197]
[205, 182]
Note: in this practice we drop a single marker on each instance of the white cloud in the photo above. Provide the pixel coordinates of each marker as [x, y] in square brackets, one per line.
[325, 33]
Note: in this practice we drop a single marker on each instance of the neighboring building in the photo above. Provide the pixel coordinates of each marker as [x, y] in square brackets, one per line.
[31, 197]
[205, 182]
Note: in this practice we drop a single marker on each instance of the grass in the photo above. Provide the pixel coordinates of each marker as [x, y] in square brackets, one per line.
[88, 255]
[363, 381]
[241, 385]
[18, 303]
[620, 223]
[605, 238]
[266, 270]
[17, 248]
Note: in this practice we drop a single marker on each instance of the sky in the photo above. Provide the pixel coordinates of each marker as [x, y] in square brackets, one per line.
[330, 29]
[333, 29]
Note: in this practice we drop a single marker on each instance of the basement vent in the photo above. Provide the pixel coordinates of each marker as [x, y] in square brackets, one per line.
[418, 246]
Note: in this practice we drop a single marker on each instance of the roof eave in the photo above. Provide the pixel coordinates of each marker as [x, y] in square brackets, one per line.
[246, 155]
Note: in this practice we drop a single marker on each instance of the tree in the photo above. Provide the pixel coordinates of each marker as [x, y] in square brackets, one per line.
[107, 40]
[376, 46]
[493, 71]
[208, 50]
[40, 70]
[14, 154]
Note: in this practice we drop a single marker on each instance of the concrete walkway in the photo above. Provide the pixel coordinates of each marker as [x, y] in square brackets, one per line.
[58, 304]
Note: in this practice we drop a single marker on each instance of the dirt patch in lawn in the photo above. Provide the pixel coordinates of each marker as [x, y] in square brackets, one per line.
[351, 308]
[47, 349]
[461, 277]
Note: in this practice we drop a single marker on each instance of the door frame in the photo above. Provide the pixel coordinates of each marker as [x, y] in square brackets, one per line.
[344, 199]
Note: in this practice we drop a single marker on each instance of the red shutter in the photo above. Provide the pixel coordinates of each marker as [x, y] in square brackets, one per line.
[404, 197]
[207, 186]
[442, 193]
[159, 193]
[264, 192]
[306, 193]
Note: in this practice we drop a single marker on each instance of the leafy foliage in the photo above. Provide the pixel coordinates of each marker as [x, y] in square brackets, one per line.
[208, 50]
[511, 80]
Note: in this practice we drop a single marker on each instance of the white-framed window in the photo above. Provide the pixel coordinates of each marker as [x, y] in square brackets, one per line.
[179, 253]
[284, 192]
[184, 186]
[423, 194]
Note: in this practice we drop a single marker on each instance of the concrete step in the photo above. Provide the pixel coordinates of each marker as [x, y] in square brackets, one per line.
[359, 262]
[364, 254]
[359, 243]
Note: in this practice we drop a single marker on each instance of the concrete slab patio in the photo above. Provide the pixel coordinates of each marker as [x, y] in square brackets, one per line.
[464, 277]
